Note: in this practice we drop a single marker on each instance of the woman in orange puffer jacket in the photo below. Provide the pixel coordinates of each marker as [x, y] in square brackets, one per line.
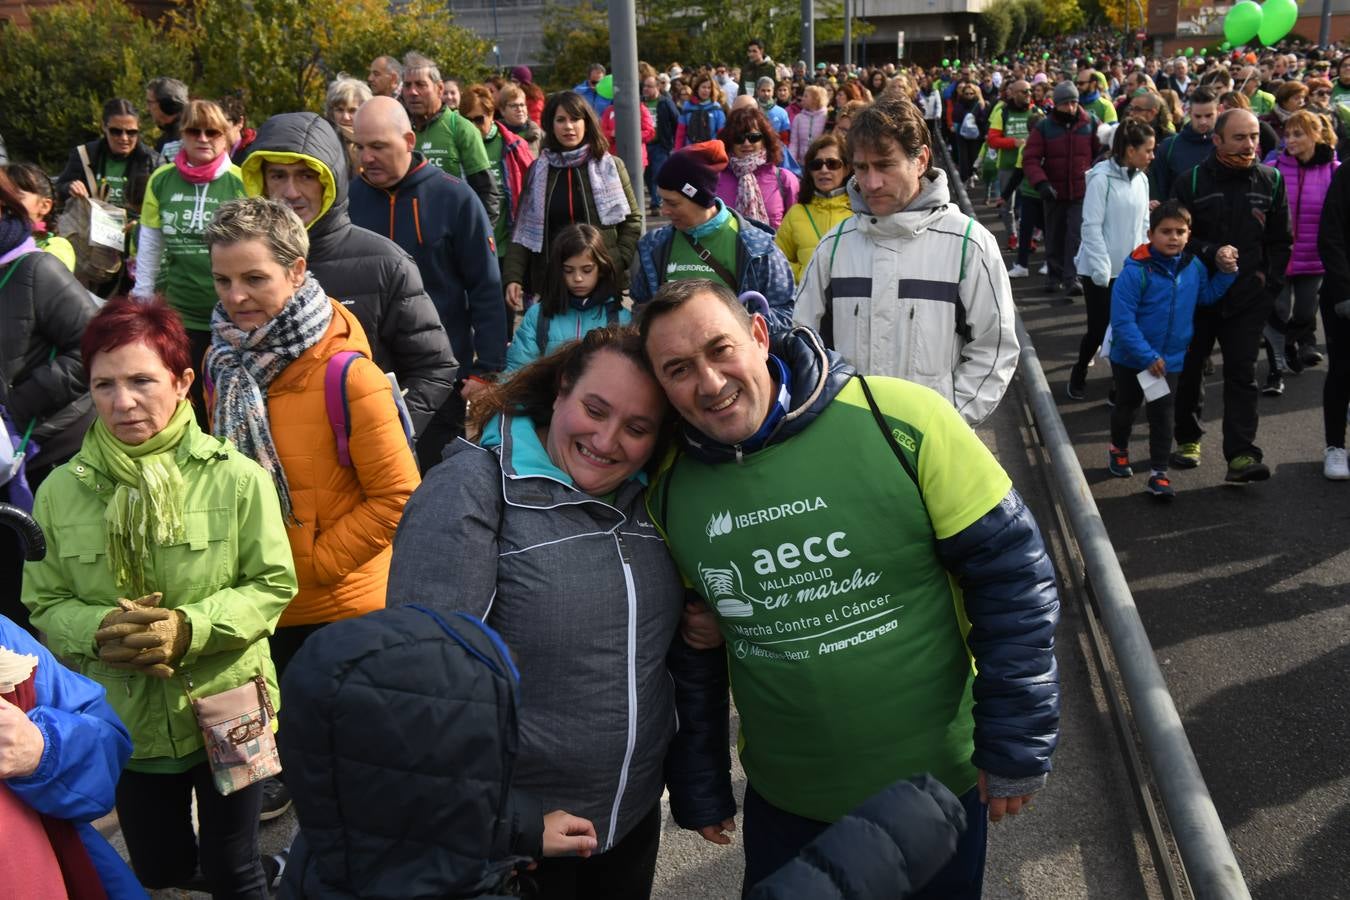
[273, 334]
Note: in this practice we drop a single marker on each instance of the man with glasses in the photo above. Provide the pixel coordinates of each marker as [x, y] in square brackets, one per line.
[1092, 98]
[1009, 124]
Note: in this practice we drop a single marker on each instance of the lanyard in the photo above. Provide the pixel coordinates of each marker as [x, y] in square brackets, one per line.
[812, 219]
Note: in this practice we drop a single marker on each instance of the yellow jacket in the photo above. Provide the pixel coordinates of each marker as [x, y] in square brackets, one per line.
[804, 226]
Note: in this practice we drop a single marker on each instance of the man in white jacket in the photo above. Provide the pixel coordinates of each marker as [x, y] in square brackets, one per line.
[909, 286]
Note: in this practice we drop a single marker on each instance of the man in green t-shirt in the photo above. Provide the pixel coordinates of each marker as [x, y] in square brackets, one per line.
[1009, 124]
[450, 142]
[871, 573]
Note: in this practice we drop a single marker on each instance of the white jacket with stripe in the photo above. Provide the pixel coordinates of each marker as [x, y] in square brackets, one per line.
[921, 294]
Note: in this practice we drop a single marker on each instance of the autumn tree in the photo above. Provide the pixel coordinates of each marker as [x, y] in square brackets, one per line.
[1061, 17]
[59, 72]
[283, 53]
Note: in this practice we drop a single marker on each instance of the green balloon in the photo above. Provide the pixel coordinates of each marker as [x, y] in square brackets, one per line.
[1092, 60]
[956, 64]
[606, 87]
[946, 63]
[1190, 51]
[1242, 22]
[1045, 55]
[1277, 20]
[1225, 46]
[1204, 51]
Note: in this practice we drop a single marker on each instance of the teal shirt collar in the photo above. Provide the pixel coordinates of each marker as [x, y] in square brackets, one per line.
[699, 232]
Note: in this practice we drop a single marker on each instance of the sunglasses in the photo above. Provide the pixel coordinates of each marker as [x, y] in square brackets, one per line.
[478, 120]
[208, 133]
[1321, 93]
[751, 137]
[833, 165]
[123, 132]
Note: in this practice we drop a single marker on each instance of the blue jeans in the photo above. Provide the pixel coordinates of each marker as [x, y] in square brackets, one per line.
[656, 158]
[774, 836]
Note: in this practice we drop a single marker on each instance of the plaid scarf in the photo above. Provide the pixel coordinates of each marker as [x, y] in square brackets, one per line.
[610, 201]
[242, 364]
[749, 198]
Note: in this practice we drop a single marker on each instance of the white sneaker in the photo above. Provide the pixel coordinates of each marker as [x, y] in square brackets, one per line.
[1044, 269]
[1018, 272]
[1334, 464]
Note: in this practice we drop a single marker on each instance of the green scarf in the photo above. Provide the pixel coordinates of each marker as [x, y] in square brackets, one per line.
[147, 505]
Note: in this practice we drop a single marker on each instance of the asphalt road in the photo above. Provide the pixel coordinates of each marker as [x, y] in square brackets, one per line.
[1243, 591]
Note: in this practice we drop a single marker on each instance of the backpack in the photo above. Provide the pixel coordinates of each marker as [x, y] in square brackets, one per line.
[541, 325]
[700, 127]
[335, 401]
[92, 226]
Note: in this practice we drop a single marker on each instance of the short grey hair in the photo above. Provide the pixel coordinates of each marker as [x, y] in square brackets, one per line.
[416, 62]
[392, 65]
[260, 219]
[346, 90]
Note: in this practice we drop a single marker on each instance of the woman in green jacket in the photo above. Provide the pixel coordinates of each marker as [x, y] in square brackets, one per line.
[575, 179]
[154, 510]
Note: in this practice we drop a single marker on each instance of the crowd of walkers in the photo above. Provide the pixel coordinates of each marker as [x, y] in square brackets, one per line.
[394, 414]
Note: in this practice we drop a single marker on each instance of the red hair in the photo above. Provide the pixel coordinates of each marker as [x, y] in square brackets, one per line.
[124, 321]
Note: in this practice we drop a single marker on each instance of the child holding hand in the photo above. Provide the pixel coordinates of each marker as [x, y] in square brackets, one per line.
[1152, 310]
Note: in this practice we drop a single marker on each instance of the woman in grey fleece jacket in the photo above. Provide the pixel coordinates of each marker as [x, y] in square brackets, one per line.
[543, 533]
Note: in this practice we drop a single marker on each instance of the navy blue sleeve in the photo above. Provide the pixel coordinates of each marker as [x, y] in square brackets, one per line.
[890, 846]
[698, 763]
[472, 252]
[1012, 603]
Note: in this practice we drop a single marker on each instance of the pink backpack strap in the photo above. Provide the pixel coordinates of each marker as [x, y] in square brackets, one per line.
[335, 401]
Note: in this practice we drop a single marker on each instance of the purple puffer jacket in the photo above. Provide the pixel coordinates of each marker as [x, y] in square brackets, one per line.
[1306, 186]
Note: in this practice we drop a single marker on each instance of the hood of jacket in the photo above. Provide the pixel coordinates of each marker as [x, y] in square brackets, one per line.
[1109, 168]
[1172, 267]
[310, 139]
[816, 375]
[366, 690]
[925, 209]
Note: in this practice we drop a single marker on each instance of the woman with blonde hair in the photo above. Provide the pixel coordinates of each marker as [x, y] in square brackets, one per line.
[181, 199]
[1306, 165]
[810, 123]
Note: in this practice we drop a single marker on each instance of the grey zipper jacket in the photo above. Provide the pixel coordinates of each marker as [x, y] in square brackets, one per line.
[586, 598]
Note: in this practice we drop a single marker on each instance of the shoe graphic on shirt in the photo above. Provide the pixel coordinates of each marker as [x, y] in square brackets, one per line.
[725, 590]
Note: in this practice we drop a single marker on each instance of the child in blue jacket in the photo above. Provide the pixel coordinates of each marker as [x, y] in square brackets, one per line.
[581, 293]
[1152, 310]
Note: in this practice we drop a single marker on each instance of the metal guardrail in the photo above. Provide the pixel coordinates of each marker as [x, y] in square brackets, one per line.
[1206, 855]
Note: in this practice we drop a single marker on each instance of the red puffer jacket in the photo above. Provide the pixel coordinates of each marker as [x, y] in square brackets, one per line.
[1061, 156]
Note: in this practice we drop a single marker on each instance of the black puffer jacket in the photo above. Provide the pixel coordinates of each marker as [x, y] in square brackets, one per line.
[400, 747]
[365, 272]
[889, 847]
[43, 312]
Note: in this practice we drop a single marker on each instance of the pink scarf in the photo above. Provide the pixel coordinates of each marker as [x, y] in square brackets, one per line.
[203, 174]
[749, 198]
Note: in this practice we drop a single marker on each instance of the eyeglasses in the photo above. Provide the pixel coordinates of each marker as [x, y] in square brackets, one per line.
[478, 120]
[208, 133]
[834, 165]
[123, 132]
[1321, 93]
[751, 137]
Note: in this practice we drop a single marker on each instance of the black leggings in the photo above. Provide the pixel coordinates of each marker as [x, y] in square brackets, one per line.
[1336, 388]
[155, 812]
[1098, 302]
